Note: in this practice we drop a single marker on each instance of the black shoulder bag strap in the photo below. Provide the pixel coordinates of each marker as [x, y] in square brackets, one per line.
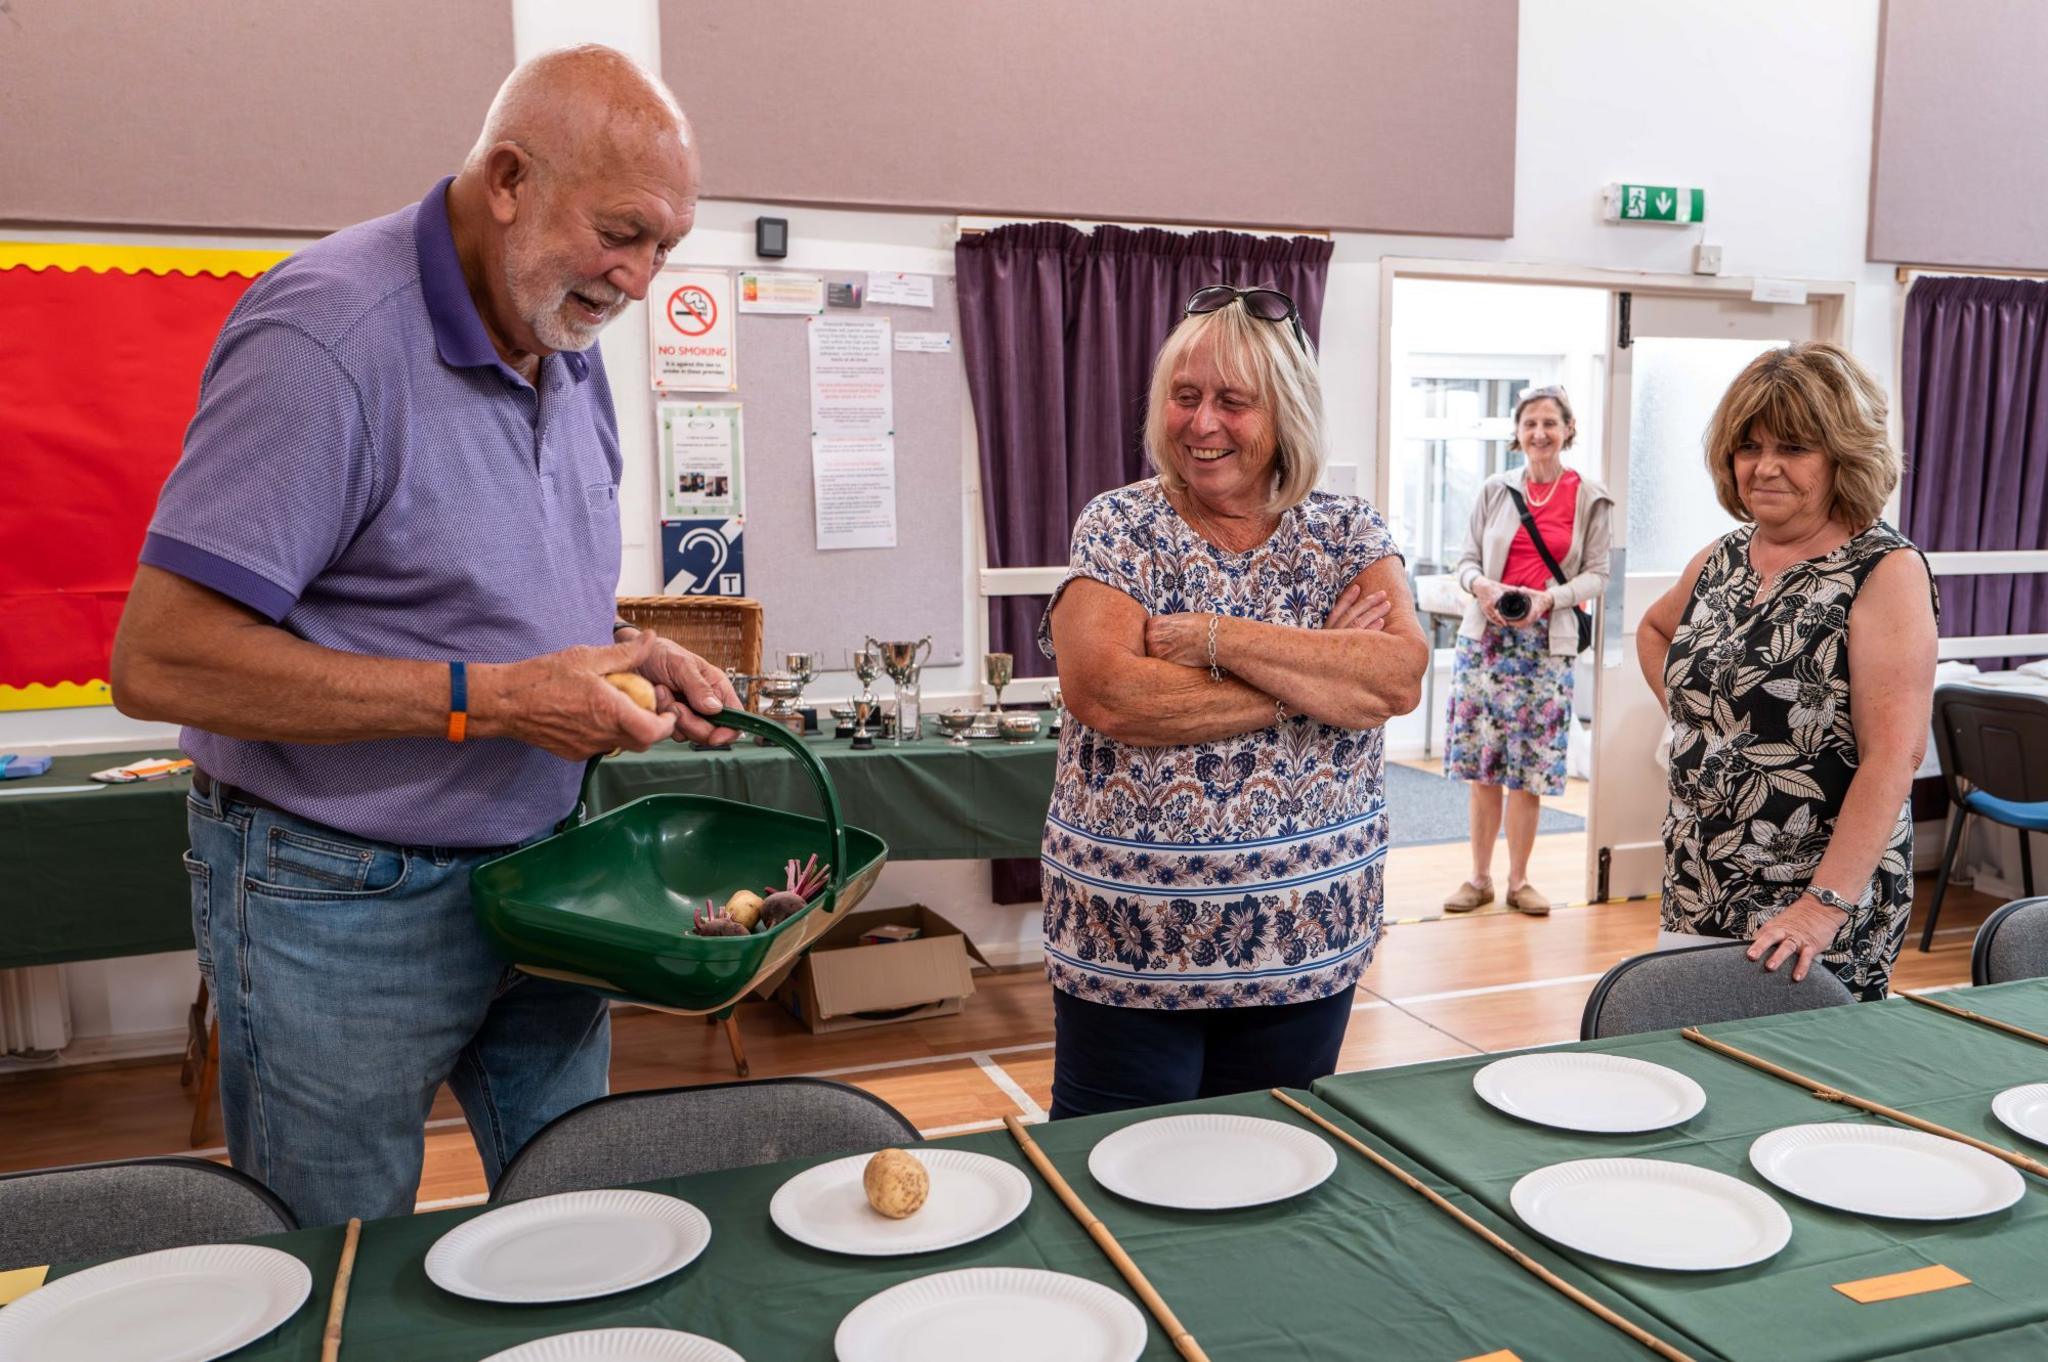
[1585, 620]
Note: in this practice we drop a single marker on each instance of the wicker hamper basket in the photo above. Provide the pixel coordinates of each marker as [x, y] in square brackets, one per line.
[723, 630]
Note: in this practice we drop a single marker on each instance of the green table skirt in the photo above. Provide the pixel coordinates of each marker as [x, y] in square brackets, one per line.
[929, 801]
[1938, 1067]
[99, 873]
[1360, 1267]
[96, 874]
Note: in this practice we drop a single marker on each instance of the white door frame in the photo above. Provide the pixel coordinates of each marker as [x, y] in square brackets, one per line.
[1832, 301]
[1834, 298]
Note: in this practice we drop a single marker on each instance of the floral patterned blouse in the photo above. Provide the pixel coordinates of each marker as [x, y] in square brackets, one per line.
[1762, 753]
[1238, 872]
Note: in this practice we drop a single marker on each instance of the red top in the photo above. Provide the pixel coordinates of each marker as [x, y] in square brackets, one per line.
[1524, 567]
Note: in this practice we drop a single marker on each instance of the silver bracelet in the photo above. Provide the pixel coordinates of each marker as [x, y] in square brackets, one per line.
[1215, 672]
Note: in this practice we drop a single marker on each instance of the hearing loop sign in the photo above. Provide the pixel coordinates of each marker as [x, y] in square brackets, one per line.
[690, 340]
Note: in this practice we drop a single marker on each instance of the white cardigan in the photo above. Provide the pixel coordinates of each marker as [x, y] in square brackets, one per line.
[1494, 525]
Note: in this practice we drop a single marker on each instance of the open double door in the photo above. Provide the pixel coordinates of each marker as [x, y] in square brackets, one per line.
[1673, 346]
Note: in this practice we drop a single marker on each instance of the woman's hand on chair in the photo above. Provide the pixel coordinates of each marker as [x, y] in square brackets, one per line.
[1800, 934]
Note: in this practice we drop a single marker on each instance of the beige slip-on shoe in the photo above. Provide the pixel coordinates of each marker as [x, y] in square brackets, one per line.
[1531, 900]
[1468, 897]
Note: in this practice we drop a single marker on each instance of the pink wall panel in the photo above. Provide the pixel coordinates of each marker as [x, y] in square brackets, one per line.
[1958, 176]
[1369, 115]
[300, 116]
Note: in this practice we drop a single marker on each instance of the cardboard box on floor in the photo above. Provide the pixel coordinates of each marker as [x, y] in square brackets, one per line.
[842, 985]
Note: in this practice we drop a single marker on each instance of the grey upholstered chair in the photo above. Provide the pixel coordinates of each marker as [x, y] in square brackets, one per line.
[1667, 989]
[2012, 944]
[640, 1136]
[115, 1210]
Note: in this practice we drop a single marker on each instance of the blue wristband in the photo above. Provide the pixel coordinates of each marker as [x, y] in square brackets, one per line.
[458, 701]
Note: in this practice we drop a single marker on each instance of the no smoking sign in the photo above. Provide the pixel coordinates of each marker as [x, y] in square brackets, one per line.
[692, 310]
[689, 335]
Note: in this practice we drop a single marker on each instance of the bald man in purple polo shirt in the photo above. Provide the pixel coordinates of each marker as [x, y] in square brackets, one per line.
[378, 594]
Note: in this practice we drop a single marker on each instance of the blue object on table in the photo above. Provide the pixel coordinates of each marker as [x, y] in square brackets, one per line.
[19, 768]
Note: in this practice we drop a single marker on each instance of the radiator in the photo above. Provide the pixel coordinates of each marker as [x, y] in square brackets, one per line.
[35, 1011]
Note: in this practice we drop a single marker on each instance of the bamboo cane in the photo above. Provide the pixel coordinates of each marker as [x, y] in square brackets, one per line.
[1522, 1260]
[1828, 1094]
[330, 1341]
[2022, 1032]
[1183, 1341]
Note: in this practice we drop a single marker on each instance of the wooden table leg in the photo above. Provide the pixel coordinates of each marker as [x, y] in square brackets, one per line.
[732, 1038]
[195, 1038]
[208, 1080]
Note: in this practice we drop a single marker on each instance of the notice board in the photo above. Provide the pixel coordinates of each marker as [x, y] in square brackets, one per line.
[827, 602]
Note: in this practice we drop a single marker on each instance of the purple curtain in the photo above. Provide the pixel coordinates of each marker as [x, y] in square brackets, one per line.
[1974, 402]
[1058, 329]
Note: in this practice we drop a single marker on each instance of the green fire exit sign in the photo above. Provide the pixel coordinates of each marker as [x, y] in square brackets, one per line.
[1655, 203]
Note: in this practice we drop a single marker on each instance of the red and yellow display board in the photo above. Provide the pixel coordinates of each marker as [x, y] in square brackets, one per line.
[101, 350]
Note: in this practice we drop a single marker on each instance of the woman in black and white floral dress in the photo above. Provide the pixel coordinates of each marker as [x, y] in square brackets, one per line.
[1795, 659]
[1230, 641]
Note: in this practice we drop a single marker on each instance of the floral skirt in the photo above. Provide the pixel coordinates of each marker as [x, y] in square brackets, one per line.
[1510, 711]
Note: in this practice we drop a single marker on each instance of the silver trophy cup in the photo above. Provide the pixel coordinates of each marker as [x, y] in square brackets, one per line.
[904, 662]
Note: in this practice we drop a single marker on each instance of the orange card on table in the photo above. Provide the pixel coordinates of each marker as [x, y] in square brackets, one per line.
[1896, 1284]
[21, 1281]
[1504, 1355]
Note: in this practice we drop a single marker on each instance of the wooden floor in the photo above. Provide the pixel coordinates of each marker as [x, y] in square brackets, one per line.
[1436, 989]
[1418, 878]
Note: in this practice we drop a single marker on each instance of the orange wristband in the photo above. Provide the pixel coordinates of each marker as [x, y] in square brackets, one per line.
[458, 702]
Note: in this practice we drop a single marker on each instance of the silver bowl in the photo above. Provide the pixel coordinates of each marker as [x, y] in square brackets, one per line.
[1018, 727]
[955, 723]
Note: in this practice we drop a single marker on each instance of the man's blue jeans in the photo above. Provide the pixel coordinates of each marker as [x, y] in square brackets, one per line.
[351, 981]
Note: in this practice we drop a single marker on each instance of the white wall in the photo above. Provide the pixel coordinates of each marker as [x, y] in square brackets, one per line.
[1766, 105]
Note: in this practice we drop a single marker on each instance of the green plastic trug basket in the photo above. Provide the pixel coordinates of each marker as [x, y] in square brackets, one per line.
[608, 903]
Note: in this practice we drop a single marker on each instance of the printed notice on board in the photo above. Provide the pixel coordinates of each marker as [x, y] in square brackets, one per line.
[789, 294]
[701, 457]
[900, 290]
[925, 342]
[690, 333]
[851, 389]
[854, 482]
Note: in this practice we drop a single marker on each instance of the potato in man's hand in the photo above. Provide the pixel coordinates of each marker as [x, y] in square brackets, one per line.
[637, 688]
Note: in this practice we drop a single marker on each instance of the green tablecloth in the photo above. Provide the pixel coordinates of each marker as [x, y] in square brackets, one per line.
[1359, 1267]
[96, 873]
[85, 876]
[1910, 1057]
[929, 801]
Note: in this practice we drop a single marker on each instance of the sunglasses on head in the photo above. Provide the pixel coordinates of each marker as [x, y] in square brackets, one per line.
[1267, 304]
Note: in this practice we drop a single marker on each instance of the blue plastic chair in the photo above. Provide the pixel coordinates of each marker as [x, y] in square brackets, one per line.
[1993, 749]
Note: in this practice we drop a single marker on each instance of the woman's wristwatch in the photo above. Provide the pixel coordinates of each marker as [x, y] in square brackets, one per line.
[1828, 898]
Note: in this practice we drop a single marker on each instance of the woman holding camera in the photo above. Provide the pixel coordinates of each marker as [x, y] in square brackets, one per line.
[1511, 687]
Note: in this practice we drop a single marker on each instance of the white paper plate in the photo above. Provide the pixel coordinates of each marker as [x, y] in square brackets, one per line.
[1211, 1162]
[972, 1195]
[620, 1345]
[1885, 1171]
[175, 1305]
[992, 1314]
[2024, 1109]
[1650, 1213]
[569, 1247]
[1606, 1094]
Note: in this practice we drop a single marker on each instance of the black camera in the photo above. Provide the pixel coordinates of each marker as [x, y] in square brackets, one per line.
[1512, 606]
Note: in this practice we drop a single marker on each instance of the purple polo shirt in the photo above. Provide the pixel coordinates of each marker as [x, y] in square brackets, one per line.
[366, 472]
